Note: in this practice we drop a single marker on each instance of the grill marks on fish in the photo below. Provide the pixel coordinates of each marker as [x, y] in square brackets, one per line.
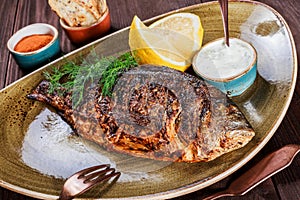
[158, 113]
[160, 108]
[148, 96]
[62, 104]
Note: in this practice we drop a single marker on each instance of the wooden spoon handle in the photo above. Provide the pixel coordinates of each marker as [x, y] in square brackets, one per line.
[224, 11]
[217, 195]
[264, 169]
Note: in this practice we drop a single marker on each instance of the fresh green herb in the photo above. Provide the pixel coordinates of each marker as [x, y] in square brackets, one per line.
[112, 72]
[74, 78]
[58, 76]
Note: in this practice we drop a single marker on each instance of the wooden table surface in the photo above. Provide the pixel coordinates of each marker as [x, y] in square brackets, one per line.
[16, 14]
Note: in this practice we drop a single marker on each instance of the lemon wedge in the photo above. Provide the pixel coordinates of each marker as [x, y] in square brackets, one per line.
[171, 41]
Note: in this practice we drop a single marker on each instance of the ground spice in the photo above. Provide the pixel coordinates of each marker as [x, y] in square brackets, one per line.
[33, 42]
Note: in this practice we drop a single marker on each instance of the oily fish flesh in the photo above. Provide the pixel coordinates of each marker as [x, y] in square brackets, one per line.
[79, 12]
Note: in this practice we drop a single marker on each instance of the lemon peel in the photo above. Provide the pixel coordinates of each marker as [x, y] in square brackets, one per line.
[171, 41]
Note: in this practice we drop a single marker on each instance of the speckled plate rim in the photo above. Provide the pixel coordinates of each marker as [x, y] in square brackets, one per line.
[195, 186]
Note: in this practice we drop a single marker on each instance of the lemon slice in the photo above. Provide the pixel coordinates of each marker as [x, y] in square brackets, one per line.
[171, 41]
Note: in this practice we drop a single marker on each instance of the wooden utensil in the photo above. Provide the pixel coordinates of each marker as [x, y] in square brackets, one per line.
[224, 11]
[264, 169]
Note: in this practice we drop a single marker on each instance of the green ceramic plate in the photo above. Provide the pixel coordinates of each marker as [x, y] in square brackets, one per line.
[37, 152]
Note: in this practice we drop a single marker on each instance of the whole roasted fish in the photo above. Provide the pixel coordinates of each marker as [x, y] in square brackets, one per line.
[158, 113]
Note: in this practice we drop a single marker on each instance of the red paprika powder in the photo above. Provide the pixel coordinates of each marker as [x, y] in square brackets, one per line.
[33, 42]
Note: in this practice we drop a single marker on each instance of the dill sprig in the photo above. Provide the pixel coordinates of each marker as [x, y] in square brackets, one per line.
[58, 76]
[72, 77]
[111, 74]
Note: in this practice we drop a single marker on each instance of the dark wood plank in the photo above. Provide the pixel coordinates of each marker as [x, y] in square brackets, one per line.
[29, 12]
[288, 182]
[122, 11]
[6, 30]
[284, 185]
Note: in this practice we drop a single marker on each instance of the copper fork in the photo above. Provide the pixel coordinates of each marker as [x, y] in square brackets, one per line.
[85, 179]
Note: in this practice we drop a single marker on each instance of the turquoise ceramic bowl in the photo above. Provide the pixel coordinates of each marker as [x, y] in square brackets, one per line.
[32, 60]
[231, 69]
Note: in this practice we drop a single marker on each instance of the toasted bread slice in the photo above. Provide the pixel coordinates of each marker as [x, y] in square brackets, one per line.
[91, 6]
[76, 12]
[101, 6]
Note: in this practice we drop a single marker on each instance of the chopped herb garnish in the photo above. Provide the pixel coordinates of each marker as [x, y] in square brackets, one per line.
[112, 72]
[72, 77]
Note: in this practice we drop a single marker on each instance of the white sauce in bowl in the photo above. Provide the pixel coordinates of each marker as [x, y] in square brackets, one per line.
[217, 61]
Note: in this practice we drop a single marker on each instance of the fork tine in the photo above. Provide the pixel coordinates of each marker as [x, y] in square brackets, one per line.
[90, 176]
[93, 182]
[91, 169]
[104, 177]
[86, 179]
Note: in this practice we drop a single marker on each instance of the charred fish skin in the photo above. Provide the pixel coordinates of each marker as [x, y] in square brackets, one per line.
[157, 113]
[152, 96]
[147, 122]
[62, 104]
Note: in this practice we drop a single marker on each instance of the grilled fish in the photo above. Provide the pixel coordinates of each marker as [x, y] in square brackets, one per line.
[157, 113]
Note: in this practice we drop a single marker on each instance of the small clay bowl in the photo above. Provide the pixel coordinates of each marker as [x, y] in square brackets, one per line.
[231, 69]
[34, 59]
[85, 34]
